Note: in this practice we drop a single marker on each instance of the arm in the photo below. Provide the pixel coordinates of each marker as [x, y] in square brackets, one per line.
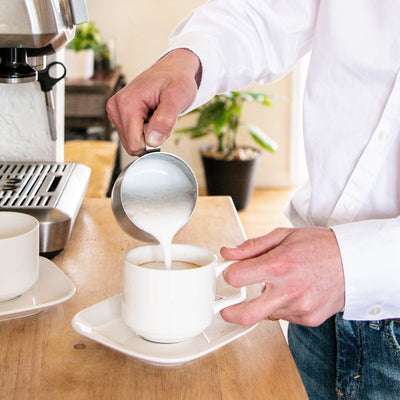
[239, 42]
[312, 273]
[236, 42]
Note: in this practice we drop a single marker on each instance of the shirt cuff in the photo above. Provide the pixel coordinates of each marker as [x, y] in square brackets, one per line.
[371, 263]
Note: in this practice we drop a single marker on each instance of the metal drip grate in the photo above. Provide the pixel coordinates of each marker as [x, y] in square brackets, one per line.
[32, 185]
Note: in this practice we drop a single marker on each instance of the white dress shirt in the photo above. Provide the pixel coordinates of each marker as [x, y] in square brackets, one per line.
[351, 119]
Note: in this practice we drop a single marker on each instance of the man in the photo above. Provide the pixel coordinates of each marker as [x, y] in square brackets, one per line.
[335, 276]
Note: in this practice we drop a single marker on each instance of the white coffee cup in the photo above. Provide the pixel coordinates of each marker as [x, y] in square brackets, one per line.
[169, 306]
[19, 253]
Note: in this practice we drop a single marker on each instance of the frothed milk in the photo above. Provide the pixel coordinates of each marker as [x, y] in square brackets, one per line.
[163, 202]
[175, 265]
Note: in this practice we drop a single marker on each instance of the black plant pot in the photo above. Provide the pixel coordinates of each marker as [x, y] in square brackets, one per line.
[233, 178]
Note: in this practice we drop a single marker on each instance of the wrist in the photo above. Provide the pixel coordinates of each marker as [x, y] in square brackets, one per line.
[189, 61]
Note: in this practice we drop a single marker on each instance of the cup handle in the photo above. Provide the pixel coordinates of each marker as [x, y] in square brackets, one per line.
[218, 305]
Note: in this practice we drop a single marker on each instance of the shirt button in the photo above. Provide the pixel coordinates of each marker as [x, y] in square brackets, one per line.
[375, 310]
[349, 205]
[382, 135]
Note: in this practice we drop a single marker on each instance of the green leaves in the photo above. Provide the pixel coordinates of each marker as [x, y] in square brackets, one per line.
[87, 36]
[222, 115]
[259, 97]
[262, 139]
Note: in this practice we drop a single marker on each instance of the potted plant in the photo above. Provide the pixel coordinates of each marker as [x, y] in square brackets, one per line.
[84, 50]
[229, 168]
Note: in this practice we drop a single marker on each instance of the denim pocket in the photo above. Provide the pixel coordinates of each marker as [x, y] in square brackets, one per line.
[368, 360]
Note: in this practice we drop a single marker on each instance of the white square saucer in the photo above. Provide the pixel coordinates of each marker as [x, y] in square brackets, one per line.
[102, 322]
[52, 287]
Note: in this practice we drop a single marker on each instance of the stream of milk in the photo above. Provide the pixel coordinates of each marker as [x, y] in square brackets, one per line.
[162, 220]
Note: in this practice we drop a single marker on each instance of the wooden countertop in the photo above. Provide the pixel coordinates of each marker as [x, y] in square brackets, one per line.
[99, 156]
[42, 357]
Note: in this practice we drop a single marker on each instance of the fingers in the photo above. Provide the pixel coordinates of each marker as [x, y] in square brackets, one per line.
[249, 272]
[303, 271]
[256, 246]
[157, 96]
[128, 115]
[252, 311]
[130, 108]
[261, 259]
[270, 305]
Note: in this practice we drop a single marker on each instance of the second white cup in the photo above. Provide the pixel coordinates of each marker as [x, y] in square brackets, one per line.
[19, 253]
[169, 306]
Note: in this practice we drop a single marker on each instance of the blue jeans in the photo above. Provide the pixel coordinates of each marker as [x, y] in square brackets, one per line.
[340, 359]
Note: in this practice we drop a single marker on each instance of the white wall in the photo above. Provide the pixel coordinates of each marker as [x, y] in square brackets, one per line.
[140, 30]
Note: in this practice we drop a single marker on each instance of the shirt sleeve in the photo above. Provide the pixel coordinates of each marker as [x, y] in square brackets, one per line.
[239, 42]
[370, 253]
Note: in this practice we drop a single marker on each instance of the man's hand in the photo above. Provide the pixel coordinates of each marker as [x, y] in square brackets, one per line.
[158, 96]
[302, 271]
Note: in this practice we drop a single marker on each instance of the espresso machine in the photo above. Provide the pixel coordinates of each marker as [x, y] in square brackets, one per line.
[33, 177]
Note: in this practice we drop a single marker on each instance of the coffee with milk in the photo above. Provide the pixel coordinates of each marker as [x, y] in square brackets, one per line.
[175, 265]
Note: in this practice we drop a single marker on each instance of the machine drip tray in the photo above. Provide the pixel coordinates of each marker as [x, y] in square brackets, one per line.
[50, 191]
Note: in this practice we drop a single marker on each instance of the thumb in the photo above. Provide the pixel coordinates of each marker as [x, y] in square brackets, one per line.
[160, 126]
[173, 101]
